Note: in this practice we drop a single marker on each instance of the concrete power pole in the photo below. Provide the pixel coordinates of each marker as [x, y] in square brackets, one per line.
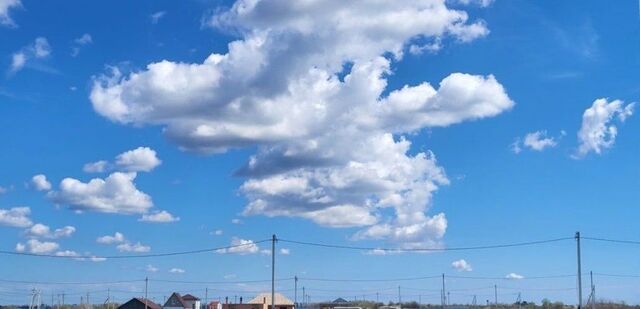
[579, 272]
[399, 297]
[593, 292]
[146, 291]
[273, 272]
[295, 291]
[443, 298]
[495, 291]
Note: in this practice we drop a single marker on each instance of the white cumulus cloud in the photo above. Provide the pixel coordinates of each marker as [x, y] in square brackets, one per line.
[461, 265]
[133, 247]
[37, 247]
[115, 194]
[16, 217]
[514, 276]
[331, 144]
[109, 239]
[96, 167]
[40, 183]
[597, 132]
[40, 230]
[241, 246]
[177, 271]
[141, 159]
[159, 217]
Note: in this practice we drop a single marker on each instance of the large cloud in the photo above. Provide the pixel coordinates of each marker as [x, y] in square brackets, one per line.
[115, 194]
[306, 84]
[16, 217]
[5, 6]
[40, 230]
[597, 133]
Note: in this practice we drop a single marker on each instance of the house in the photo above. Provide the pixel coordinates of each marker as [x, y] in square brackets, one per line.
[240, 305]
[139, 303]
[176, 301]
[191, 302]
[338, 303]
[264, 299]
[214, 305]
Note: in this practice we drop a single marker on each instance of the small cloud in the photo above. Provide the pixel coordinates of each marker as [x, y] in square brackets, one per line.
[131, 247]
[37, 247]
[230, 276]
[40, 183]
[597, 132]
[514, 276]
[236, 221]
[40, 230]
[177, 271]
[159, 217]
[40, 49]
[285, 251]
[95, 167]
[150, 268]
[16, 217]
[461, 265]
[538, 141]
[217, 232]
[85, 39]
[5, 6]
[155, 17]
[108, 239]
[241, 246]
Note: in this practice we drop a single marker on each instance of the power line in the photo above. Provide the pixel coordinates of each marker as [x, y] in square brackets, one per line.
[508, 245]
[71, 283]
[133, 256]
[369, 280]
[619, 241]
[510, 279]
[219, 282]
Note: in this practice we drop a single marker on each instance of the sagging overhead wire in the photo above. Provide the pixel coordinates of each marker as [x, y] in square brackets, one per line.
[434, 249]
[80, 257]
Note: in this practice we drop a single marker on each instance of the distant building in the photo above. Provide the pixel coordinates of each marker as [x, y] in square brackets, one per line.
[264, 299]
[139, 303]
[214, 305]
[176, 301]
[339, 302]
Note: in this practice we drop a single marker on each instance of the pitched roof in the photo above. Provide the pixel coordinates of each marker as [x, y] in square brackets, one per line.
[149, 303]
[263, 298]
[340, 300]
[190, 297]
[175, 298]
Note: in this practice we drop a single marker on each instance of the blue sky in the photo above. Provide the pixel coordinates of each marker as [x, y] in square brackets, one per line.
[516, 123]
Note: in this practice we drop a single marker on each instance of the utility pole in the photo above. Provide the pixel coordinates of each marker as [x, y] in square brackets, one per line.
[495, 291]
[377, 297]
[449, 298]
[206, 297]
[295, 289]
[474, 302]
[399, 297]
[519, 301]
[593, 292]
[304, 297]
[88, 303]
[579, 272]
[146, 289]
[62, 299]
[273, 272]
[443, 293]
